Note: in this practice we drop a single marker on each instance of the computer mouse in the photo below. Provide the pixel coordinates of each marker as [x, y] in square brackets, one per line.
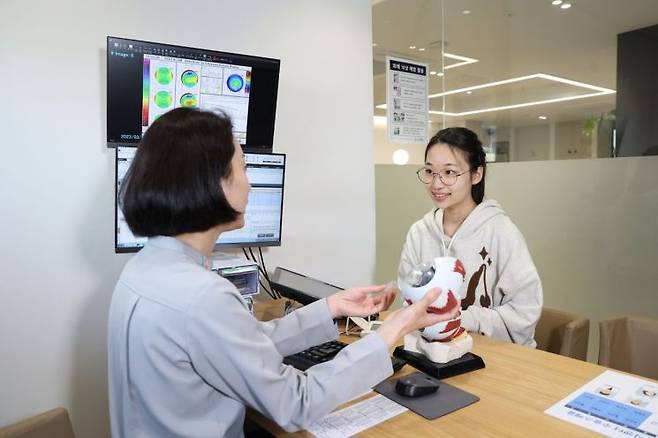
[416, 385]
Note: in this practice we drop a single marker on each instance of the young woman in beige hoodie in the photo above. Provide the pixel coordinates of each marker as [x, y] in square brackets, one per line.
[503, 290]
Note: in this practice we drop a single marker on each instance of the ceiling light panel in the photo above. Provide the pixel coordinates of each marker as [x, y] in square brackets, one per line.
[462, 60]
[519, 92]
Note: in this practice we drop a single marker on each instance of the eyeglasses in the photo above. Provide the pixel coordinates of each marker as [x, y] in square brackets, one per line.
[447, 176]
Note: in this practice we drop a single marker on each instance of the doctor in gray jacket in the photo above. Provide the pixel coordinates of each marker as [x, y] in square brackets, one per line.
[185, 355]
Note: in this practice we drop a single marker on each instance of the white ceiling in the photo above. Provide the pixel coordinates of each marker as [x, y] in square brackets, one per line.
[510, 38]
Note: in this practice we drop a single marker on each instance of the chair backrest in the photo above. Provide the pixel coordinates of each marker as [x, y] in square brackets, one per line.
[563, 333]
[52, 424]
[629, 344]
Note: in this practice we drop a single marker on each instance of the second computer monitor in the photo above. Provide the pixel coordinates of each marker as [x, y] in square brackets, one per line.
[263, 217]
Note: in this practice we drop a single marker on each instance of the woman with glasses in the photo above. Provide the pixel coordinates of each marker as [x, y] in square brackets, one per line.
[504, 294]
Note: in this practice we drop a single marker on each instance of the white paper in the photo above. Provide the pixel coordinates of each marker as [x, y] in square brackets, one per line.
[612, 404]
[356, 418]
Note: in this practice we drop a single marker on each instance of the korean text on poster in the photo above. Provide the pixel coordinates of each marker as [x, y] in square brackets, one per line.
[406, 101]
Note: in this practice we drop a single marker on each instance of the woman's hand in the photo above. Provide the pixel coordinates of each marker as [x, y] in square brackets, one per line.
[414, 317]
[361, 301]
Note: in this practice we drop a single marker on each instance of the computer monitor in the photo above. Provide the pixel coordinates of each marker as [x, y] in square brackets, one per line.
[263, 217]
[147, 79]
[300, 287]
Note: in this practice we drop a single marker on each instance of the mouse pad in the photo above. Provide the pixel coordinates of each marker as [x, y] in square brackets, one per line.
[447, 399]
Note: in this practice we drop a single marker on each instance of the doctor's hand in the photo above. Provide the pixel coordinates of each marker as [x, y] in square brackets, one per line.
[361, 301]
[414, 317]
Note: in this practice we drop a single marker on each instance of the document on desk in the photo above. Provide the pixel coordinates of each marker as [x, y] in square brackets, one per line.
[613, 404]
[356, 418]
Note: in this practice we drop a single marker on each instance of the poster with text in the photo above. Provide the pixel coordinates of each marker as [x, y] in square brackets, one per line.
[406, 101]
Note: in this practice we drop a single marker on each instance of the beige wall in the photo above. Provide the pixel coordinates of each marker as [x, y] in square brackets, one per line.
[591, 226]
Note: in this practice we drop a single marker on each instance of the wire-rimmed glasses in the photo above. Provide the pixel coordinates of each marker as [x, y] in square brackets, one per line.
[447, 176]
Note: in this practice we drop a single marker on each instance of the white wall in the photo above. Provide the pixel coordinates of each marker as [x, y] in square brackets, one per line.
[58, 267]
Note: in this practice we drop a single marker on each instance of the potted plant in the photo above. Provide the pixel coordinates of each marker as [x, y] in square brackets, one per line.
[605, 129]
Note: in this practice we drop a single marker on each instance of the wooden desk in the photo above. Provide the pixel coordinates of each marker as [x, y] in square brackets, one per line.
[515, 388]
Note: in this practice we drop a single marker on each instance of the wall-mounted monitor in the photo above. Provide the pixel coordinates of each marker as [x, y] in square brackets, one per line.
[263, 217]
[147, 79]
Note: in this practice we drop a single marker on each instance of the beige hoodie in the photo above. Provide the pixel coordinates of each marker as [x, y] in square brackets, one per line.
[504, 294]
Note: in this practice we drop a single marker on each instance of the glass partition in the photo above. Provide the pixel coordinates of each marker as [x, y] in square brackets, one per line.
[535, 79]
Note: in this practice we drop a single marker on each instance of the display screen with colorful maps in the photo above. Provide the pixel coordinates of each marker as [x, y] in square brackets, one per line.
[145, 80]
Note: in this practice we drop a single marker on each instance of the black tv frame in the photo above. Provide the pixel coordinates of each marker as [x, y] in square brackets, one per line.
[224, 57]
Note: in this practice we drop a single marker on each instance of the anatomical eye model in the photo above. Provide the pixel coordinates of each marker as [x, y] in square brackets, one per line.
[446, 340]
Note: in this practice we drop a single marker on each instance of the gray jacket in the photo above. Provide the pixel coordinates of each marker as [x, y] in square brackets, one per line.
[185, 357]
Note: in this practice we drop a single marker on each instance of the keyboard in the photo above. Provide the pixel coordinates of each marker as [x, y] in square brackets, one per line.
[325, 352]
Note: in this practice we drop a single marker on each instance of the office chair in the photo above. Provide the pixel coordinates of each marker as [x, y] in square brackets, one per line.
[628, 344]
[562, 333]
[51, 424]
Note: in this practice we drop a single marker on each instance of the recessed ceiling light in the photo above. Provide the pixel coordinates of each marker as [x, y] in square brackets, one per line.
[565, 5]
[466, 12]
[556, 2]
[400, 157]
[439, 74]
[379, 120]
[422, 49]
[412, 47]
[542, 117]
[469, 92]
[432, 72]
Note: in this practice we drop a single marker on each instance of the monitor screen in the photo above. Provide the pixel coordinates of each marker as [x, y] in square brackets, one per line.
[263, 217]
[145, 80]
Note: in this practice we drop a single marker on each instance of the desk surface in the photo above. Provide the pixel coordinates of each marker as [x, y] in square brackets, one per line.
[515, 388]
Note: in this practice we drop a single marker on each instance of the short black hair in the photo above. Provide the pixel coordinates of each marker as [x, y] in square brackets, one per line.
[173, 185]
[466, 141]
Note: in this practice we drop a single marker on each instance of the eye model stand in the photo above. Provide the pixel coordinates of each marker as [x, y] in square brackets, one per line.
[467, 362]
